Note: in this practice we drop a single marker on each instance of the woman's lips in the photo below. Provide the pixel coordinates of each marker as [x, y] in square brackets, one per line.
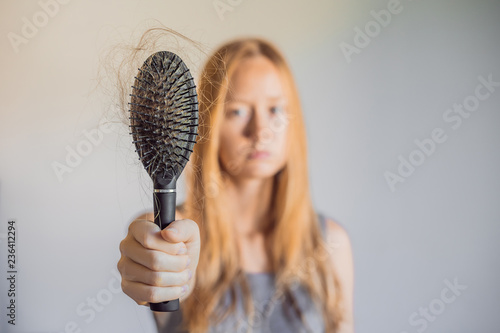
[259, 154]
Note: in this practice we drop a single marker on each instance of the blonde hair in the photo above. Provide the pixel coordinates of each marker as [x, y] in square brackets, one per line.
[299, 253]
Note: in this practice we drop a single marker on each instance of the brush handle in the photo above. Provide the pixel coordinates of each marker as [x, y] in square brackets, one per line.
[164, 206]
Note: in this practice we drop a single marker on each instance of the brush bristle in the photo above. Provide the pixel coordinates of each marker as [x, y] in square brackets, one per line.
[164, 115]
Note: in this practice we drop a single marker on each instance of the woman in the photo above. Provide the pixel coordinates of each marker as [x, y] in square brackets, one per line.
[248, 251]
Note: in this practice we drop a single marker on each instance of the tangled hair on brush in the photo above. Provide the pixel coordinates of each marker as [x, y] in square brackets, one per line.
[299, 254]
[120, 61]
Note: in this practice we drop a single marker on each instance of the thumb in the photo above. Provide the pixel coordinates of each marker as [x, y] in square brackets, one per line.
[171, 233]
[180, 231]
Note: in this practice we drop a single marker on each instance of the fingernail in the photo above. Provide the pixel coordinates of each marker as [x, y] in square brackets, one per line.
[190, 274]
[173, 230]
[188, 262]
[184, 288]
[182, 250]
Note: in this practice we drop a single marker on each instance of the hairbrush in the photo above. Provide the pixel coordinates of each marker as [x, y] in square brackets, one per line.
[164, 126]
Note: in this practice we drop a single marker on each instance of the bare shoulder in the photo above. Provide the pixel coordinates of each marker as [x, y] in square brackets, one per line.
[339, 245]
[336, 234]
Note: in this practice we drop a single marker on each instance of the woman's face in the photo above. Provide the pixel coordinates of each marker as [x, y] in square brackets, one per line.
[255, 123]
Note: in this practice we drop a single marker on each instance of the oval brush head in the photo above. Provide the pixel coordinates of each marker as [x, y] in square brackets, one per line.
[164, 116]
[164, 125]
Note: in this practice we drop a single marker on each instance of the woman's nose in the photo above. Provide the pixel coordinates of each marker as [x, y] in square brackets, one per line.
[259, 125]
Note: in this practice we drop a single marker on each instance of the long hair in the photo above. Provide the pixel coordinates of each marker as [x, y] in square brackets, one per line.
[299, 253]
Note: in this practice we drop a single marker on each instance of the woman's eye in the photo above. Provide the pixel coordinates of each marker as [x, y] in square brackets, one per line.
[239, 112]
[277, 109]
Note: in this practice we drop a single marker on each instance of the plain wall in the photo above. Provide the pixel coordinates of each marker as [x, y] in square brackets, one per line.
[364, 113]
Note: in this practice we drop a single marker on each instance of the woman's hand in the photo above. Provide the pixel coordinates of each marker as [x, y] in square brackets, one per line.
[158, 266]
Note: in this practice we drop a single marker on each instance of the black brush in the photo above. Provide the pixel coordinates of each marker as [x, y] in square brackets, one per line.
[164, 127]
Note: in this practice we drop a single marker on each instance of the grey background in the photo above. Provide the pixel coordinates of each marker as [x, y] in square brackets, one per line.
[441, 224]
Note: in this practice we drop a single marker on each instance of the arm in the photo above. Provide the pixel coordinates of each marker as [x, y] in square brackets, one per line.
[342, 261]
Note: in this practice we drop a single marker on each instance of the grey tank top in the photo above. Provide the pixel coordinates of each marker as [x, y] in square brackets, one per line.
[278, 318]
